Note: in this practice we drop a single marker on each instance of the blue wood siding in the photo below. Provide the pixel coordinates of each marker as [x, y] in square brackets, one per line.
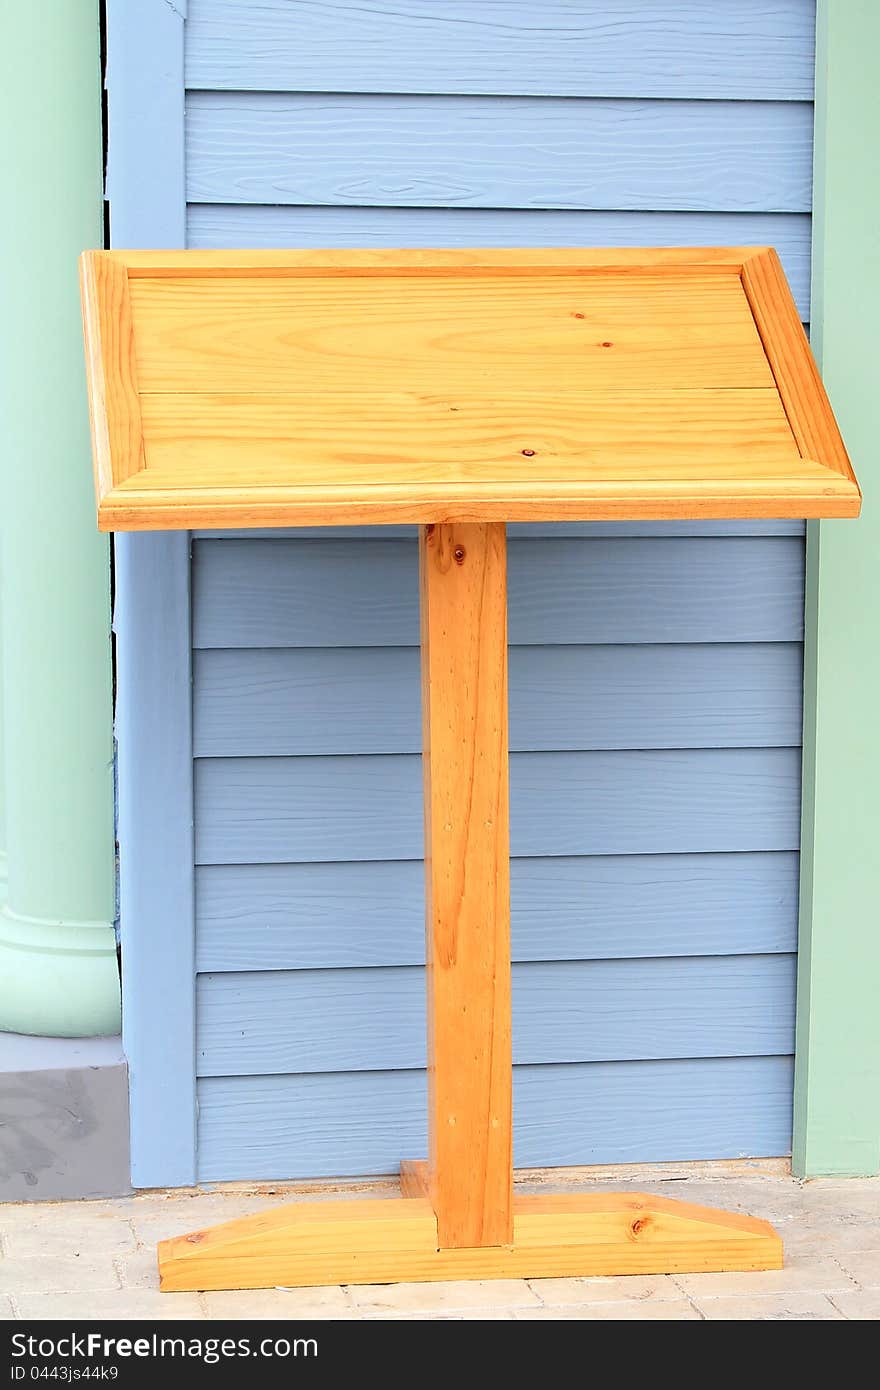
[586, 907]
[646, 48]
[499, 152]
[655, 668]
[599, 1112]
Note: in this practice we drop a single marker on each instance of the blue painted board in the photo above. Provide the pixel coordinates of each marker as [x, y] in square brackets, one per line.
[230, 224]
[155, 834]
[647, 48]
[359, 1123]
[499, 152]
[563, 1011]
[153, 644]
[289, 916]
[286, 810]
[330, 593]
[309, 701]
[545, 129]
[532, 530]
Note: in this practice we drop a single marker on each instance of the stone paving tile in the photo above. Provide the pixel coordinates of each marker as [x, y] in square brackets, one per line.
[632, 1288]
[451, 1296]
[680, 1311]
[110, 1307]
[858, 1304]
[864, 1267]
[780, 1307]
[14, 1214]
[140, 1270]
[463, 1315]
[769, 1199]
[100, 1234]
[328, 1302]
[842, 1196]
[176, 1217]
[57, 1275]
[823, 1235]
[798, 1275]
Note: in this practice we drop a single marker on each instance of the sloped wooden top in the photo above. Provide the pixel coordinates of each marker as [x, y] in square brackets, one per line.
[248, 388]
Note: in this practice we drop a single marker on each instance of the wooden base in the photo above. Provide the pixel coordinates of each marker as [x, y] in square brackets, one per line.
[383, 1241]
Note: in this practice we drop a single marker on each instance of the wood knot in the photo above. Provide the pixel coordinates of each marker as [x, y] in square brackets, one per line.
[527, 453]
[579, 316]
[458, 554]
[606, 344]
[640, 1224]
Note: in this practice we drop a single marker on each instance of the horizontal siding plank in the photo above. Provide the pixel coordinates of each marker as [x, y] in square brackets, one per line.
[656, 953]
[499, 152]
[311, 701]
[650, 48]
[328, 593]
[312, 916]
[568, 1011]
[520, 530]
[353, 1124]
[230, 225]
[287, 810]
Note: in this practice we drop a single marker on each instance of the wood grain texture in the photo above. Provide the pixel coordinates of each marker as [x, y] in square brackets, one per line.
[354, 1123]
[528, 385]
[313, 916]
[587, 448]
[463, 608]
[498, 152]
[379, 1241]
[794, 367]
[802, 491]
[280, 810]
[227, 225]
[365, 700]
[749, 50]
[261, 1024]
[415, 1179]
[320, 593]
[111, 372]
[433, 335]
[414, 263]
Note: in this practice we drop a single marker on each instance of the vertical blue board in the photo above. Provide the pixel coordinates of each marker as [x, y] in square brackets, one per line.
[153, 647]
[256, 917]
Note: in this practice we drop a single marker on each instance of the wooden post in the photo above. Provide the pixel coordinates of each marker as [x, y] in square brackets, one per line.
[463, 583]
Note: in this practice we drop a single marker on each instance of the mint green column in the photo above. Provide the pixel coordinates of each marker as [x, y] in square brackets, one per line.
[58, 972]
[837, 1080]
[3, 871]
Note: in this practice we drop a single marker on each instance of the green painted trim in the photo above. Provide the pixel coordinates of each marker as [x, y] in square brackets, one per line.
[57, 943]
[837, 1073]
[3, 869]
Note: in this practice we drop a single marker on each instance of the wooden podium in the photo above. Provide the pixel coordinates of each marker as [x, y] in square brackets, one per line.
[458, 390]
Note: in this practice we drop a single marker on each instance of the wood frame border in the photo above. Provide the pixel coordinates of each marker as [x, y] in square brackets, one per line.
[827, 488]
